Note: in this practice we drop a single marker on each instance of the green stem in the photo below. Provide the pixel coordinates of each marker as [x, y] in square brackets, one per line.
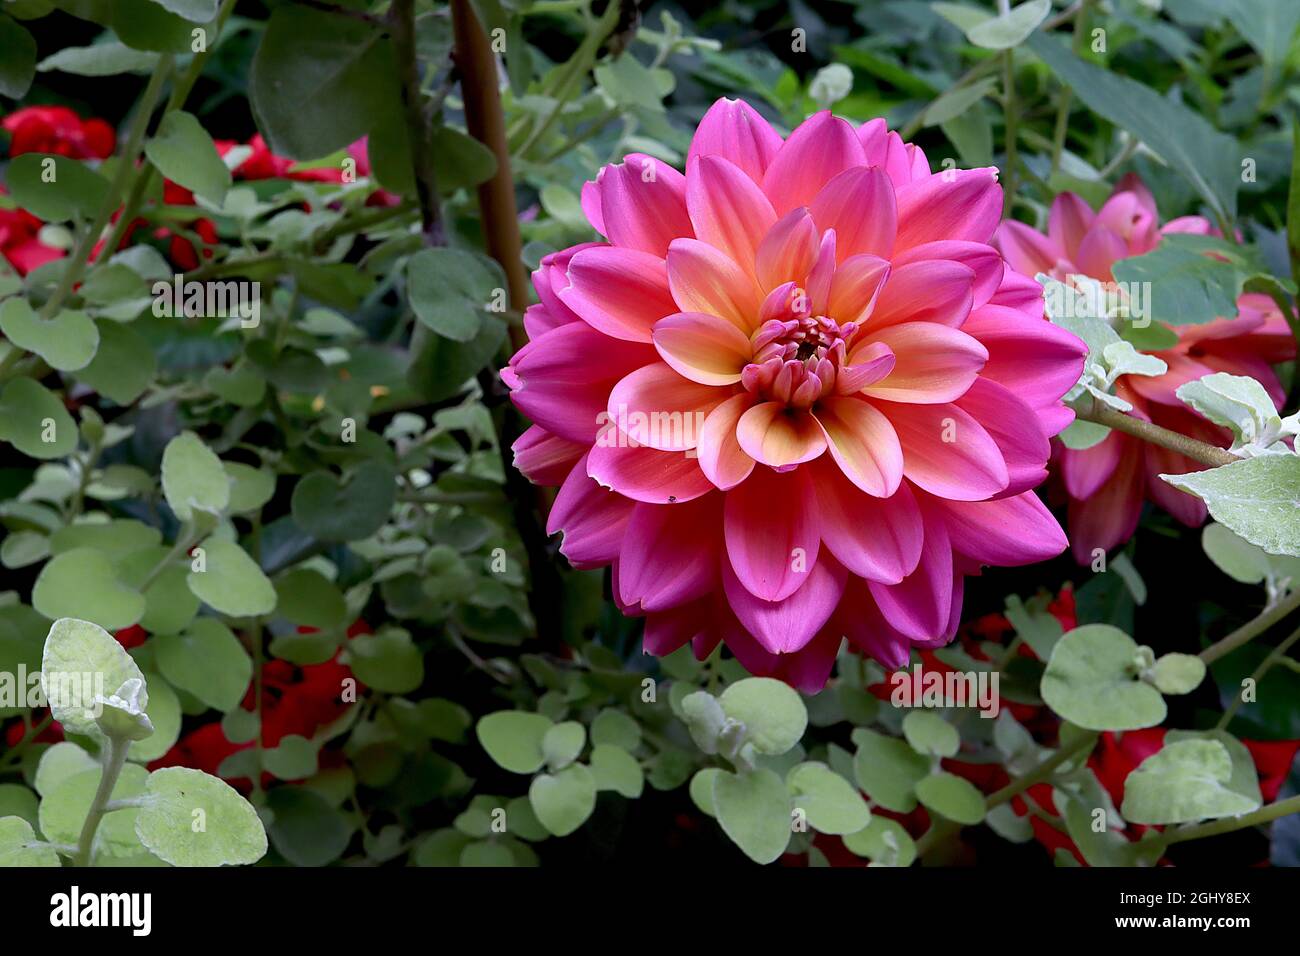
[1277, 654]
[1252, 628]
[1261, 816]
[1042, 771]
[1067, 93]
[113, 760]
[1102, 414]
[123, 177]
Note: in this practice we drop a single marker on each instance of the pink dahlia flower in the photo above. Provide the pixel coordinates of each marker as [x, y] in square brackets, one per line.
[1107, 483]
[795, 397]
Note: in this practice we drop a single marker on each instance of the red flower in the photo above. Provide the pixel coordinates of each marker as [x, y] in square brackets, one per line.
[20, 243]
[132, 636]
[58, 130]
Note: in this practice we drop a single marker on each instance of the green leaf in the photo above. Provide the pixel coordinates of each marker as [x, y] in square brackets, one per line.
[388, 660]
[196, 11]
[1035, 625]
[56, 188]
[191, 818]
[460, 160]
[1242, 405]
[830, 803]
[513, 739]
[562, 744]
[957, 101]
[1178, 673]
[34, 420]
[193, 477]
[616, 728]
[164, 713]
[929, 733]
[704, 719]
[1092, 681]
[17, 58]
[774, 715]
[207, 661]
[1234, 555]
[563, 801]
[19, 845]
[231, 583]
[294, 758]
[123, 366]
[319, 82]
[1268, 25]
[99, 59]
[450, 289]
[307, 597]
[82, 583]
[1245, 777]
[306, 830]
[1255, 497]
[182, 150]
[1010, 29]
[1188, 287]
[754, 811]
[63, 811]
[1184, 781]
[951, 796]
[145, 25]
[331, 510]
[80, 661]
[60, 762]
[443, 366]
[884, 842]
[250, 488]
[888, 769]
[617, 770]
[1183, 138]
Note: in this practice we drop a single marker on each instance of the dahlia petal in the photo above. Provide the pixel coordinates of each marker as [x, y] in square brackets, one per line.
[593, 520]
[947, 452]
[775, 435]
[735, 131]
[987, 264]
[643, 204]
[551, 276]
[1026, 249]
[809, 669]
[1157, 461]
[1037, 360]
[919, 606]
[702, 347]
[656, 407]
[721, 458]
[789, 623]
[728, 209]
[1005, 532]
[1014, 426]
[666, 631]
[868, 363]
[789, 250]
[859, 618]
[1100, 249]
[818, 150]
[538, 320]
[863, 444]
[670, 553]
[543, 458]
[859, 205]
[621, 292]
[1084, 470]
[555, 383]
[1111, 514]
[704, 279]
[964, 205]
[856, 287]
[1068, 222]
[875, 538]
[646, 474]
[933, 363]
[773, 533]
[591, 205]
[933, 290]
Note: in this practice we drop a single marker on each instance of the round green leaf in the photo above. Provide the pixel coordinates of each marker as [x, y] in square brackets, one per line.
[206, 660]
[305, 596]
[888, 769]
[951, 796]
[250, 487]
[829, 802]
[295, 758]
[450, 289]
[616, 728]
[1178, 673]
[20, 847]
[928, 733]
[17, 801]
[332, 510]
[193, 477]
[164, 712]
[562, 743]
[487, 853]
[182, 150]
[701, 790]
[17, 58]
[34, 420]
[55, 188]
[754, 811]
[82, 661]
[1092, 681]
[67, 342]
[193, 819]
[563, 801]
[59, 762]
[1185, 780]
[773, 713]
[617, 770]
[231, 582]
[387, 661]
[63, 811]
[884, 842]
[513, 739]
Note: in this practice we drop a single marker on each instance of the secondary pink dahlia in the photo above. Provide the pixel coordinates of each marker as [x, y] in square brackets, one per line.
[795, 397]
[1108, 483]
